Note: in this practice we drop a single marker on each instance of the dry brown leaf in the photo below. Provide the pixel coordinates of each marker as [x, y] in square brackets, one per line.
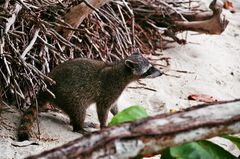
[227, 4]
[202, 98]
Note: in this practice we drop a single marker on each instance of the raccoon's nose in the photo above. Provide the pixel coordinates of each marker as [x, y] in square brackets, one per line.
[152, 72]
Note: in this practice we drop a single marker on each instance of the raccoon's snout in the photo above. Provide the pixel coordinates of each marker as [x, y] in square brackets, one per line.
[152, 72]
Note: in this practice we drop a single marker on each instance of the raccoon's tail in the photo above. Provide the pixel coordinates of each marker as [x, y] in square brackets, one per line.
[26, 123]
[30, 115]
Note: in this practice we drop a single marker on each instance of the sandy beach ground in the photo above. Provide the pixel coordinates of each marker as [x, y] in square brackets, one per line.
[213, 63]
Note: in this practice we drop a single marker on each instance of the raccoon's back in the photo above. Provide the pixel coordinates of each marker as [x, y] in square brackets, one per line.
[77, 69]
[78, 77]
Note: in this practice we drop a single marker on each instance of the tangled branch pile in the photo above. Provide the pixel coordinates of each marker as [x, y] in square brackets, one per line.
[36, 35]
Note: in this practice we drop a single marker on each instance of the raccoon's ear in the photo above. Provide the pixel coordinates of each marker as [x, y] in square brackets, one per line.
[129, 63]
[137, 51]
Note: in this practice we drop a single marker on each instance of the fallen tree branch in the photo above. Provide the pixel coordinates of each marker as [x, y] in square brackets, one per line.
[149, 136]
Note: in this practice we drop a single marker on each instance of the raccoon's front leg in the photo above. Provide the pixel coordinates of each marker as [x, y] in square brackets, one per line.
[102, 111]
[77, 118]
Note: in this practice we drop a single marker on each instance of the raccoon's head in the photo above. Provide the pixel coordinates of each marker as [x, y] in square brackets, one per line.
[141, 67]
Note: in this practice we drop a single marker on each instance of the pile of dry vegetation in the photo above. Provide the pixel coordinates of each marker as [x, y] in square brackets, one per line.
[37, 35]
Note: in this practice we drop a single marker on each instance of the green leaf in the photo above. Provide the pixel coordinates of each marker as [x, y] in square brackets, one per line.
[197, 150]
[234, 139]
[129, 114]
[166, 154]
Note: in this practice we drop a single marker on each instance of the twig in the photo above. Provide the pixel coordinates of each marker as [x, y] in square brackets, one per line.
[150, 89]
[181, 71]
[21, 144]
[32, 42]
[171, 75]
[12, 19]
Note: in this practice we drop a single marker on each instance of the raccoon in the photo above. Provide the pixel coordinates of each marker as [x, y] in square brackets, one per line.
[81, 82]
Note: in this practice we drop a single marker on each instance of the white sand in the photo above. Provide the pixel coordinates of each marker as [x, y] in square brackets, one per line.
[214, 61]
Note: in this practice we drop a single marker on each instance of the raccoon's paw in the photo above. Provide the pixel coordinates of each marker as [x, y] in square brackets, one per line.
[91, 125]
[23, 135]
[80, 130]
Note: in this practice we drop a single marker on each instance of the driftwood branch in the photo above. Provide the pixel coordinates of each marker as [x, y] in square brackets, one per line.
[149, 136]
[77, 14]
[206, 22]
[209, 22]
